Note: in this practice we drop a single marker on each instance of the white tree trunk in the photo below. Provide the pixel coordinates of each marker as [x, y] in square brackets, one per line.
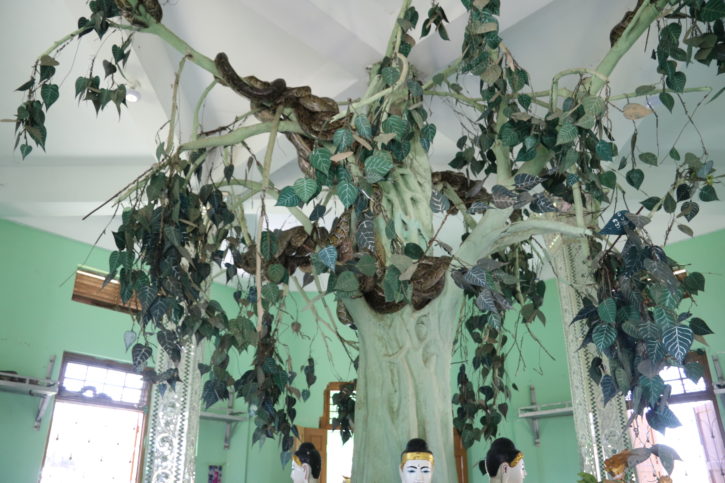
[404, 386]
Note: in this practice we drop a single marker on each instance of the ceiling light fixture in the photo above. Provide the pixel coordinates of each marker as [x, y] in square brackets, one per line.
[132, 95]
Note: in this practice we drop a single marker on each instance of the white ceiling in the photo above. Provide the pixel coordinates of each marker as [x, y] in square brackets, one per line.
[326, 44]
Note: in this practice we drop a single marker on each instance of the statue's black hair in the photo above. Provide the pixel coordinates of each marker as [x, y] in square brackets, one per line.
[307, 453]
[502, 450]
[416, 445]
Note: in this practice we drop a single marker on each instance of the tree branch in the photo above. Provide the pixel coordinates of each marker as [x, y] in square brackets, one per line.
[183, 48]
[641, 21]
[492, 234]
[195, 124]
[239, 135]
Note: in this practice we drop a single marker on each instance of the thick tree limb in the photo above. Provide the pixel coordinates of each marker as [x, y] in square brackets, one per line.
[492, 234]
[641, 21]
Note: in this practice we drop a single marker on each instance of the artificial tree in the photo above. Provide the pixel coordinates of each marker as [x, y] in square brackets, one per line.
[370, 209]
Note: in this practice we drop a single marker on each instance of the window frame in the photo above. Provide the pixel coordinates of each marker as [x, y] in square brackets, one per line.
[65, 395]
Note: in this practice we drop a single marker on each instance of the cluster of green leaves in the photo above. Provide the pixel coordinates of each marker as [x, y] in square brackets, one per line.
[30, 116]
[638, 325]
[704, 41]
[167, 244]
[694, 176]
[344, 401]
[493, 285]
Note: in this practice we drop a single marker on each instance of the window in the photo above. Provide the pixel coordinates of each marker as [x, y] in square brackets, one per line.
[698, 441]
[98, 423]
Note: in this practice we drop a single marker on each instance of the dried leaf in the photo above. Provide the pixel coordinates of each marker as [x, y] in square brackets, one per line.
[362, 142]
[340, 156]
[634, 111]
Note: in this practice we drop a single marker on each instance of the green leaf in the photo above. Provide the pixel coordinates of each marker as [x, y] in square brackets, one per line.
[670, 205]
[347, 192]
[686, 230]
[604, 336]
[689, 210]
[699, 326]
[390, 75]
[644, 90]
[609, 388]
[667, 99]
[509, 136]
[366, 265]
[593, 105]
[695, 282]
[648, 158]
[140, 353]
[660, 420]
[270, 293]
[707, 193]
[26, 85]
[675, 154]
[328, 256]
[25, 150]
[428, 132]
[567, 133]
[362, 126]
[476, 276]
[587, 121]
[38, 134]
[342, 139]
[288, 197]
[607, 310]
[346, 282]
[694, 371]
[651, 202]
[378, 165]
[608, 179]
[413, 250]
[604, 150]
[664, 317]
[653, 388]
[712, 11]
[81, 85]
[677, 340]
[46, 72]
[396, 125]
[670, 37]
[50, 94]
[320, 159]
[276, 273]
[666, 454]
[635, 177]
[676, 81]
[305, 188]
[524, 101]
[108, 68]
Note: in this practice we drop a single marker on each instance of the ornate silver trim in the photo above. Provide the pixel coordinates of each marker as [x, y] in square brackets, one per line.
[174, 422]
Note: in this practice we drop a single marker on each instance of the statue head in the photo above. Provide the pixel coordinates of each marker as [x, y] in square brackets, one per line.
[504, 463]
[306, 464]
[416, 462]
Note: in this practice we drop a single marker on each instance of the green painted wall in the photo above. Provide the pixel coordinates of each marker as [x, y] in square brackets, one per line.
[39, 319]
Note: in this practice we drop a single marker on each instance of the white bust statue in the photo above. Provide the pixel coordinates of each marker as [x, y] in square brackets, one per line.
[416, 462]
[306, 464]
[504, 463]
